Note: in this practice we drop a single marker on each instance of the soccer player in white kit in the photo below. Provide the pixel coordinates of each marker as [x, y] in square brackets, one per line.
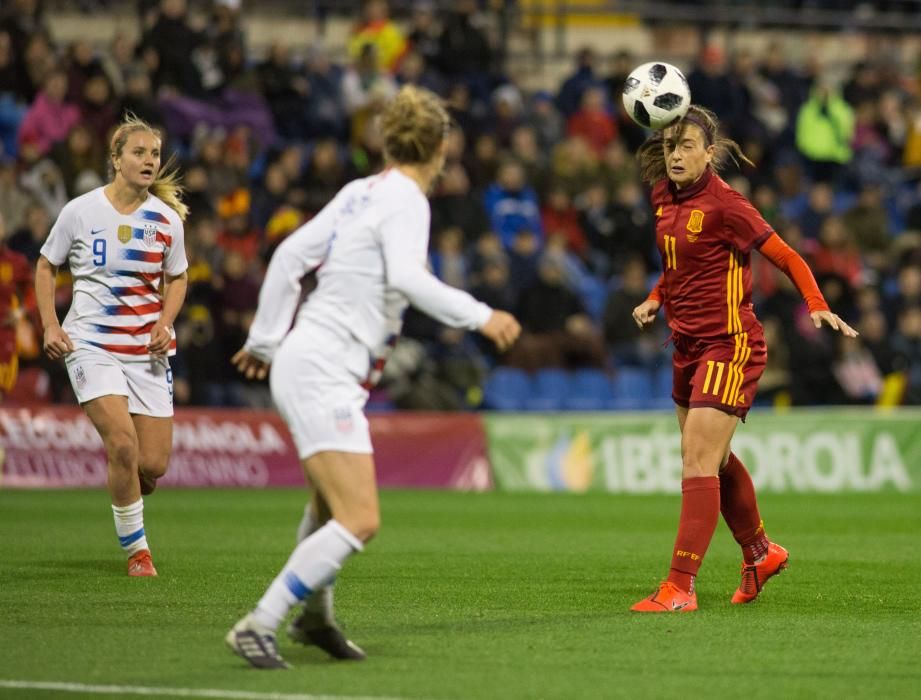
[369, 247]
[122, 241]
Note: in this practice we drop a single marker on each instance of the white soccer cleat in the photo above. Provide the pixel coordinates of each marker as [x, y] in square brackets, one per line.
[255, 643]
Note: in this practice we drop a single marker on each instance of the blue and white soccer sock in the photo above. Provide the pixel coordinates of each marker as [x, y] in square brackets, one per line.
[313, 564]
[320, 603]
[129, 526]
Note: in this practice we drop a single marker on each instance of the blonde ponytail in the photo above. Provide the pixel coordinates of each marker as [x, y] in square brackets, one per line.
[168, 187]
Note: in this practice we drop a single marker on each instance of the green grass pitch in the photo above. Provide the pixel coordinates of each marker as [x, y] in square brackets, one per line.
[468, 596]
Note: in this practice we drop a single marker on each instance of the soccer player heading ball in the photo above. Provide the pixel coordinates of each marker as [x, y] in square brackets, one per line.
[705, 232]
[372, 243]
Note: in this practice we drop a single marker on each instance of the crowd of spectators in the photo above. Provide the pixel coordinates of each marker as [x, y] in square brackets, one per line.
[540, 210]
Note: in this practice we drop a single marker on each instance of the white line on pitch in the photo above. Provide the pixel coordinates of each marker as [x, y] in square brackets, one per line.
[173, 692]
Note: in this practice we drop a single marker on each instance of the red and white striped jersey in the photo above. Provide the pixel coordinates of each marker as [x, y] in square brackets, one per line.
[117, 262]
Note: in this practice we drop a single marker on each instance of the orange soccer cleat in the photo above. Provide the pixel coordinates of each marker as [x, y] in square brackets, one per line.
[667, 598]
[754, 576]
[140, 564]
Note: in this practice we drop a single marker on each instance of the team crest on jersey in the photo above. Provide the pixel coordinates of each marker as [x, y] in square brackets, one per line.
[659, 211]
[124, 233]
[343, 419]
[150, 234]
[695, 225]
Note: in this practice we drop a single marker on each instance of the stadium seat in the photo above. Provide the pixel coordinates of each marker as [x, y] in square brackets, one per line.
[550, 389]
[590, 390]
[506, 389]
[662, 388]
[594, 294]
[379, 401]
[632, 389]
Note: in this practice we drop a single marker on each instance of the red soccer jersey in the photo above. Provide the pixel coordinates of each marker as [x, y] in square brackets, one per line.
[15, 277]
[705, 234]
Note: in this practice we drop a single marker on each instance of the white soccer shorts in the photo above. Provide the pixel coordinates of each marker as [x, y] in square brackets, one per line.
[148, 384]
[316, 385]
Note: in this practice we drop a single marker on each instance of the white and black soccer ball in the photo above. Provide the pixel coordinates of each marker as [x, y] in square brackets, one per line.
[656, 95]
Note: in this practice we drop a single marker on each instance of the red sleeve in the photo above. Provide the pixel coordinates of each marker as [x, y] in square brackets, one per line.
[748, 229]
[22, 270]
[22, 274]
[658, 292]
[788, 260]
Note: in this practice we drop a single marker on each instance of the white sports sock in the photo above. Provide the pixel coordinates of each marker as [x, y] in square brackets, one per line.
[321, 601]
[313, 564]
[129, 526]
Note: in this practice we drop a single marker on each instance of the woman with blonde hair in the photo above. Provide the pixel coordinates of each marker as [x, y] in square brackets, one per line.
[369, 247]
[124, 245]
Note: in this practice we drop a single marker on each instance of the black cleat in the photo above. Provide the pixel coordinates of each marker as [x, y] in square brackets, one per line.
[311, 630]
[256, 644]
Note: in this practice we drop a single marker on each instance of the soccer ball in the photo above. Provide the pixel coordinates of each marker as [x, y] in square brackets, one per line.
[656, 95]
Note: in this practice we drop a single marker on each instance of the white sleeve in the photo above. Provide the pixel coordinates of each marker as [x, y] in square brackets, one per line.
[300, 253]
[176, 262]
[57, 246]
[404, 240]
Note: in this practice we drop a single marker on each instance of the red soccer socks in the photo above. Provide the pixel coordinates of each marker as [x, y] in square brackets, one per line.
[740, 510]
[700, 511]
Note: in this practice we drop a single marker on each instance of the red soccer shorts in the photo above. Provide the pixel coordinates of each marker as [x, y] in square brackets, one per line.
[721, 373]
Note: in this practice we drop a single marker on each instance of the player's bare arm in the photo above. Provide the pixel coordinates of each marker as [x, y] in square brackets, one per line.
[173, 295]
[56, 342]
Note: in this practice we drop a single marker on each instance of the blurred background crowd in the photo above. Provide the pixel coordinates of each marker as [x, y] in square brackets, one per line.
[540, 210]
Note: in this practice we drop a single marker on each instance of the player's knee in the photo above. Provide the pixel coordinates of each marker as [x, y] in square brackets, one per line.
[691, 469]
[122, 450]
[368, 527]
[153, 465]
[699, 461]
[364, 524]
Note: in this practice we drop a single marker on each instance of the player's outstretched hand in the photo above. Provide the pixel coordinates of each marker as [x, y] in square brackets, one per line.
[502, 328]
[833, 320]
[160, 338]
[57, 343]
[250, 366]
[645, 313]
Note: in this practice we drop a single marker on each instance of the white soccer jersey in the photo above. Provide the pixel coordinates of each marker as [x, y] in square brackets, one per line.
[117, 262]
[371, 245]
